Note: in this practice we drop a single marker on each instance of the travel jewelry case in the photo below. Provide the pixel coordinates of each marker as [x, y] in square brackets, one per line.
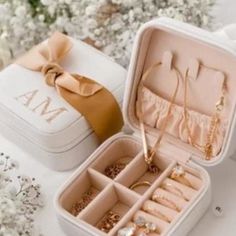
[115, 192]
[29, 108]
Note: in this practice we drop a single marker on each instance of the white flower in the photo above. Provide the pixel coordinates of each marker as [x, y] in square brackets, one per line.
[170, 12]
[97, 31]
[41, 17]
[19, 200]
[3, 10]
[51, 10]
[11, 189]
[91, 23]
[20, 11]
[205, 20]
[5, 54]
[46, 2]
[82, 19]
[131, 15]
[116, 26]
[130, 3]
[60, 21]
[31, 25]
[180, 2]
[90, 10]
[68, 1]
[7, 206]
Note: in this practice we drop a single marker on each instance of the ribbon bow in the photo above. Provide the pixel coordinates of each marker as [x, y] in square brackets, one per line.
[91, 99]
[45, 58]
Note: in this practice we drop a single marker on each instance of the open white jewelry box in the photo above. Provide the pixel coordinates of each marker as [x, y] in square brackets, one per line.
[67, 140]
[135, 201]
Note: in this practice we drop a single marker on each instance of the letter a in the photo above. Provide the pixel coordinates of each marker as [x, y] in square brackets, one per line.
[27, 97]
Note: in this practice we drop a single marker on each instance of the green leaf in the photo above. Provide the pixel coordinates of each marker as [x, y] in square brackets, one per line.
[34, 3]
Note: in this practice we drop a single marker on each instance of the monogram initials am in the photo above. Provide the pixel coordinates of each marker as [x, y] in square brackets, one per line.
[43, 108]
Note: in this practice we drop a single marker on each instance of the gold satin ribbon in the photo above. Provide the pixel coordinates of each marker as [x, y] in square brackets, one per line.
[91, 99]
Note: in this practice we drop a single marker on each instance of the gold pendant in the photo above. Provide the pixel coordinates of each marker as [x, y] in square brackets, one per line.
[152, 168]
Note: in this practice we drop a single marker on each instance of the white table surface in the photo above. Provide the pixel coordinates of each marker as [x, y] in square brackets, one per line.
[223, 176]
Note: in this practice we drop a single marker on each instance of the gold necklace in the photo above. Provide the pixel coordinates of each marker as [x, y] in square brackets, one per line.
[149, 154]
[215, 120]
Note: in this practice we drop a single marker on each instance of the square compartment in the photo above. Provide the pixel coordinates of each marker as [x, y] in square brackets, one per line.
[119, 151]
[118, 200]
[90, 180]
[137, 171]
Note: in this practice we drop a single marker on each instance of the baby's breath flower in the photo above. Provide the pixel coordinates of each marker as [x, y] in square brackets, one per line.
[105, 22]
[20, 199]
[5, 53]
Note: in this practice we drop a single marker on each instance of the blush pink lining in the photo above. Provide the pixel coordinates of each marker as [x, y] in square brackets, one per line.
[155, 111]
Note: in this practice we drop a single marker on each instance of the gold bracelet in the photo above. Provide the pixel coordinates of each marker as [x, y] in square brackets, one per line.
[115, 168]
[139, 184]
[175, 190]
[108, 222]
[170, 204]
[178, 174]
[85, 200]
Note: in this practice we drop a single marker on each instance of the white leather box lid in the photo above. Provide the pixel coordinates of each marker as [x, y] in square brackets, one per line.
[222, 50]
[24, 95]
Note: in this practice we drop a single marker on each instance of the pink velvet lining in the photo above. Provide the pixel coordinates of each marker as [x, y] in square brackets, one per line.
[155, 110]
[204, 90]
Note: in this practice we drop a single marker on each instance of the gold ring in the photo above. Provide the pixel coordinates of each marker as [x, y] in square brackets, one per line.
[168, 202]
[178, 174]
[139, 184]
[175, 190]
[157, 213]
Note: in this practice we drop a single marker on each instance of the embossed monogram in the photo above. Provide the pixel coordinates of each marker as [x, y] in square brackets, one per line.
[42, 108]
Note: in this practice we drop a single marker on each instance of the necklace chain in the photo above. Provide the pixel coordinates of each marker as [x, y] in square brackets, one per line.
[215, 121]
[149, 154]
[208, 148]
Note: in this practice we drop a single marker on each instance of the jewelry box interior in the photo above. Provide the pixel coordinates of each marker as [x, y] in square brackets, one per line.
[119, 193]
[211, 77]
[95, 195]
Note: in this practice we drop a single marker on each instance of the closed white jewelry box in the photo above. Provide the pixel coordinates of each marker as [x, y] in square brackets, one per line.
[95, 193]
[40, 121]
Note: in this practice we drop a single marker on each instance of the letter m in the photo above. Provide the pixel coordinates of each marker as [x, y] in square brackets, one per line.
[44, 110]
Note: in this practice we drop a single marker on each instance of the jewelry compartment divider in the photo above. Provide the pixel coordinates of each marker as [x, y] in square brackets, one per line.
[137, 176]
[82, 191]
[117, 156]
[144, 197]
[118, 202]
[165, 216]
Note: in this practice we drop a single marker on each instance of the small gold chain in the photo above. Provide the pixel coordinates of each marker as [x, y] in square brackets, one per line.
[214, 124]
[208, 148]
